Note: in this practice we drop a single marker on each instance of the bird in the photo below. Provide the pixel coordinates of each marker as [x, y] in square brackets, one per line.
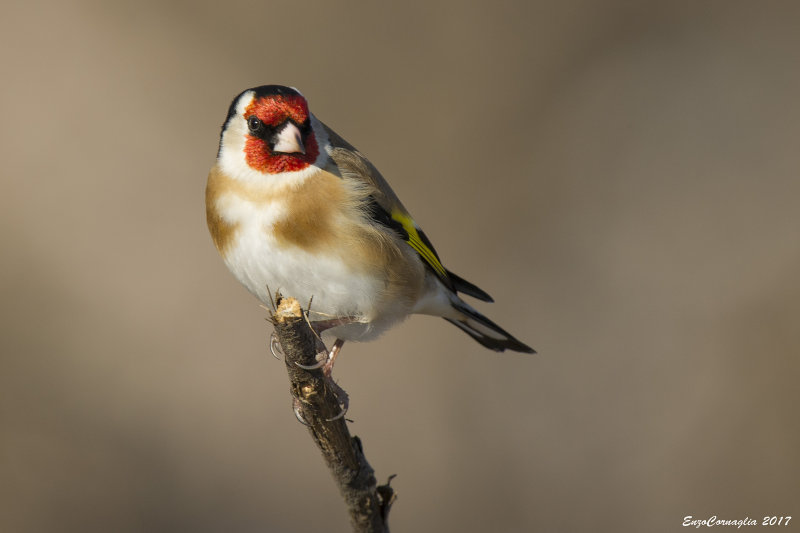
[292, 206]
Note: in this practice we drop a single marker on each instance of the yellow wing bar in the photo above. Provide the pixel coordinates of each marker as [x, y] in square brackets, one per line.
[419, 242]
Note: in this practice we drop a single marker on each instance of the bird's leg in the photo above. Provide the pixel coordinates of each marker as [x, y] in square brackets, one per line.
[323, 325]
[326, 358]
[327, 368]
[326, 363]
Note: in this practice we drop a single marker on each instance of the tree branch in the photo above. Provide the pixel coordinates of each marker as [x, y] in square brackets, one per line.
[367, 504]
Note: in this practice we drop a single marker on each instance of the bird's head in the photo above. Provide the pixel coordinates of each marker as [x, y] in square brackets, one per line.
[268, 130]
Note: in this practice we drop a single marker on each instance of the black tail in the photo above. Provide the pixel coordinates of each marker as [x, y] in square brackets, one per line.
[485, 331]
[462, 285]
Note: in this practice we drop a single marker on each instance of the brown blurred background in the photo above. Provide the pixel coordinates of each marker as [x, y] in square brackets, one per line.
[621, 177]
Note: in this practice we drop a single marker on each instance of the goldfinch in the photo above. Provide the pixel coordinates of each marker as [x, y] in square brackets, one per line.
[291, 206]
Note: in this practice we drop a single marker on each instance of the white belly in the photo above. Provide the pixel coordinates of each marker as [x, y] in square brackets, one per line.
[333, 287]
[262, 266]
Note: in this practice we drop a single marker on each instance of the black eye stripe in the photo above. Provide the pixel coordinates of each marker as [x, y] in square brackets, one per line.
[267, 132]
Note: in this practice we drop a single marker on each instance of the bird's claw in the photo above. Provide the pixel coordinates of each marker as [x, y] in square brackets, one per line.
[325, 361]
[298, 411]
[275, 346]
[340, 415]
[315, 366]
[341, 397]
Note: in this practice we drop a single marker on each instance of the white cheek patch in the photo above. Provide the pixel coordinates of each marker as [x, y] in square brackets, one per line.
[231, 154]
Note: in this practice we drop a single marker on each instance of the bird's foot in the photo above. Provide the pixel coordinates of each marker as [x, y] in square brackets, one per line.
[325, 360]
[341, 397]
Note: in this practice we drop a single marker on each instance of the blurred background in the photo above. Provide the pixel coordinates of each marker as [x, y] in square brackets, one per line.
[622, 177]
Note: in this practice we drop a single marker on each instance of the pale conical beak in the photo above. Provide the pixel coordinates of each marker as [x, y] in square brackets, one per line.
[289, 140]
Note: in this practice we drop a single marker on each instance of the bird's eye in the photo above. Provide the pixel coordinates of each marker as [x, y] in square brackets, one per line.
[254, 124]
